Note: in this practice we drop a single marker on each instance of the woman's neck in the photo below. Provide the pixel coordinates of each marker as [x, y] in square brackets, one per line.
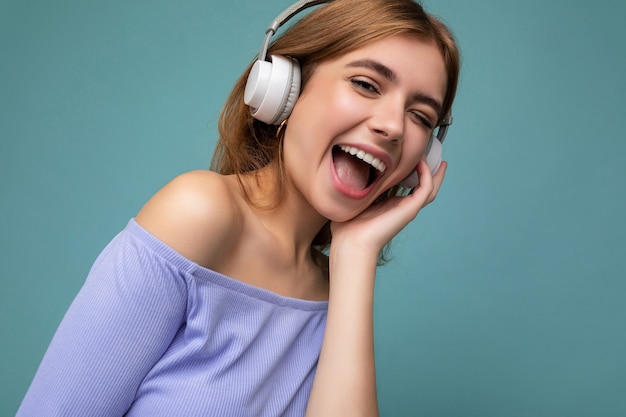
[283, 212]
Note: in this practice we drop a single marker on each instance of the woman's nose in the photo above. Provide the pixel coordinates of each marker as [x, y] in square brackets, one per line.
[388, 121]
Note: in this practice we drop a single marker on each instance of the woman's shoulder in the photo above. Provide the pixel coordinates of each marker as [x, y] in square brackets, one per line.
[198, 214]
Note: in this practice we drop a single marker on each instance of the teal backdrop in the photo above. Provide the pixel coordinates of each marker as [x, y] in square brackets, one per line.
[506, 297]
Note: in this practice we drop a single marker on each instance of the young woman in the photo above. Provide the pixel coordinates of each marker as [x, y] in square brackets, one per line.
[226, 295]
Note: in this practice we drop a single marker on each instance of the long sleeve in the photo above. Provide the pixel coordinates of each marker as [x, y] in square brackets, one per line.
[123, 319]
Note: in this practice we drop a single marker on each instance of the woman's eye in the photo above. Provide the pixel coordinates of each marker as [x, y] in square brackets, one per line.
[364, 85]
[420, 118]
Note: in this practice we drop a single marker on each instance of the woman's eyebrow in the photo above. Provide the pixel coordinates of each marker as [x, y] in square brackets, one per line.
[379, 67]
[428, 100]
[391, 76]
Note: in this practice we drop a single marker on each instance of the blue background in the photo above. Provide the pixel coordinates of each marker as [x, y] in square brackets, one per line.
[505, 298]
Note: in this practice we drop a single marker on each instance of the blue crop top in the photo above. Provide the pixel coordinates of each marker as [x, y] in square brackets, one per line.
[153, 334]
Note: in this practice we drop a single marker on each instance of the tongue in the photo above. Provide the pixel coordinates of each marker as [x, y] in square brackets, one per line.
[351, 171]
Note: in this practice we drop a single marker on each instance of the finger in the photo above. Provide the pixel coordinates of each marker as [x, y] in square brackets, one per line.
[425, 187]
[438, 180]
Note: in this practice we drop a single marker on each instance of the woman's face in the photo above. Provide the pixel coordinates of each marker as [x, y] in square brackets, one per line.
[380, 102]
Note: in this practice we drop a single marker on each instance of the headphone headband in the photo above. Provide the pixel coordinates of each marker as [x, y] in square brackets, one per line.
[283, 18]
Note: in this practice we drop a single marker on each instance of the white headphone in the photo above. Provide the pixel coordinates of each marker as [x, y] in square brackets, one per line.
[273, 88]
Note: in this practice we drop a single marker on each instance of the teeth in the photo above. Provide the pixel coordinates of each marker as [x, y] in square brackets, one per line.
[369, 158]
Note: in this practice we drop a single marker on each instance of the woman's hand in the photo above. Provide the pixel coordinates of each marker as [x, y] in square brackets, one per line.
[377, 225]
[345, 381]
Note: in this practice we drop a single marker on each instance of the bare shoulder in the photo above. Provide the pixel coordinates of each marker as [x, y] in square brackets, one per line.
[198, 214]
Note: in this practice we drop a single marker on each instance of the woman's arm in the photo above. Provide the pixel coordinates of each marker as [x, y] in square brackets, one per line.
[118, 326]
[133, 302]
[345, 382]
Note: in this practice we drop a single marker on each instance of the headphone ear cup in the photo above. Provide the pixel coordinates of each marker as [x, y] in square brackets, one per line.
[433, 157]
[272, 88]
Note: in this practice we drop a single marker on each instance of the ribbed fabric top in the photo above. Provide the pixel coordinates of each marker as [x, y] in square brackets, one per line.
[153, 334]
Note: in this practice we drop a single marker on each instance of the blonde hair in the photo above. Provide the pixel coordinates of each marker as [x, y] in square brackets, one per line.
[342, 26]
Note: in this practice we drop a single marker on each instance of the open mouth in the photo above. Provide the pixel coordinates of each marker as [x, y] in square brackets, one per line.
[356, 168]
